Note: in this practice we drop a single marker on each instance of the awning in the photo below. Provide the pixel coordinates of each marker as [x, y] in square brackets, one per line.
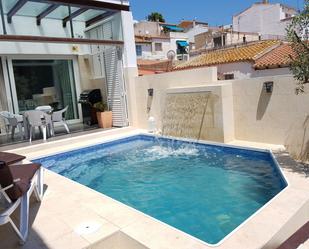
[173, 28]
[183, 43]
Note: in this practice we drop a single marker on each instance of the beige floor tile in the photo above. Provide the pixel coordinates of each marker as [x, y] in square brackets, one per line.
[50, 228]
[117, 213]
[68, 241]
[157, 235]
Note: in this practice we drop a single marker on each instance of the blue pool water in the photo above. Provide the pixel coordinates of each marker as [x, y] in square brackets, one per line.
[204, 190]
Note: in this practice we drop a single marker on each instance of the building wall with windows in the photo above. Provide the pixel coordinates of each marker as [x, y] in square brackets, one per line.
[245, 70]
[158, 48]
[143, 50]
[265, 19]
[85, 66]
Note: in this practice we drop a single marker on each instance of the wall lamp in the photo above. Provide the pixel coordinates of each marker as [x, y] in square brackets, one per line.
[150, 92]
[269, 85]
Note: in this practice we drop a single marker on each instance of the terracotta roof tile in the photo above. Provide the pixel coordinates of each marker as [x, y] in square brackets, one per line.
[278, 57]
[142, 72]
[244, 53]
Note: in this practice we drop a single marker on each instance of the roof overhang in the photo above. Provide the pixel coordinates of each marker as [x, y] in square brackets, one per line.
[46, 39]
[93, 4]
[88, 11]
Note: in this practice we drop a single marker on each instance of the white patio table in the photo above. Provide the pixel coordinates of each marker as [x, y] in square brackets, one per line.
[49, 125]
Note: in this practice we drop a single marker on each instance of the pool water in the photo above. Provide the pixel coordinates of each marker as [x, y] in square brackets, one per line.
[203, 190]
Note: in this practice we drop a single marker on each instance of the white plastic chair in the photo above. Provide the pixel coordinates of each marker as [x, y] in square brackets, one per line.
[12, 121]
[24, 202]
[38, 119]
[59, 117]
[44, 108]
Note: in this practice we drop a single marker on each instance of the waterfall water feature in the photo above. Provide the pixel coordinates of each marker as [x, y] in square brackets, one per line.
[184, 114]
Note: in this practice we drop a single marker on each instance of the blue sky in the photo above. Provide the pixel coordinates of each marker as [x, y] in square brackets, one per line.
[216, 12]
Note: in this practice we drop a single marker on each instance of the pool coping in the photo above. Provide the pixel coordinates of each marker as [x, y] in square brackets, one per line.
[133, 132]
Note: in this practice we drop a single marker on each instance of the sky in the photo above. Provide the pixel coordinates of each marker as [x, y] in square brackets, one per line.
[218, 12]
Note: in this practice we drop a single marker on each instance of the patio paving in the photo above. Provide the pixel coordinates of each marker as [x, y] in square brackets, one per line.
[69, 208]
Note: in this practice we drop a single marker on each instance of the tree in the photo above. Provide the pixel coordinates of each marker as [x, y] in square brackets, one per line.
[155, 17]
[298, 35]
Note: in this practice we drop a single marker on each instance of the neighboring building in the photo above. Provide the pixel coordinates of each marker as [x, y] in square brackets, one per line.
[154, 41]
[275, 62]
[219, 38]
[258, 59]
[49, 55]
[146, 67]
[193, 28]
[267, 19]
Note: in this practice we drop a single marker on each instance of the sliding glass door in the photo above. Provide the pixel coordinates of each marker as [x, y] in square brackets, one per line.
[45, 82]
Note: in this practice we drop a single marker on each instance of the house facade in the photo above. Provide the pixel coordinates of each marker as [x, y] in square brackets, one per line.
[258, 59]
[267, 19]
[223, 37]
[192, 29]
[159, 41]
[52, 51]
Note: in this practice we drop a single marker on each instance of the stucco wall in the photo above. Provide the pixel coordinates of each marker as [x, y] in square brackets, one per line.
[261, 18]
[241, 70]
[86, 78]
[278, 118]
[245, 70]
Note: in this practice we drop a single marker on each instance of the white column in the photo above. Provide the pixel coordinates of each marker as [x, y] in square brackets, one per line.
[129, 40]
[129, 64]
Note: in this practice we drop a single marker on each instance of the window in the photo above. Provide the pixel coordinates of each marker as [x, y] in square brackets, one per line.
[287, 15]
[45, 82]
[219, 41]
[158, 47]
[244, 40]
[138, 50]
[229, 76]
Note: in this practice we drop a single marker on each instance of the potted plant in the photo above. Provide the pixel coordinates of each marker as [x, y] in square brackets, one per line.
[105, 117]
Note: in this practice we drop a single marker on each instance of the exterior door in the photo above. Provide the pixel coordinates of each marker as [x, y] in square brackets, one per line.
[116, 93]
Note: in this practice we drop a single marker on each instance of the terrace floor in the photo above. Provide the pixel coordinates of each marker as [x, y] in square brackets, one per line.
[60, 133]
[73, 216]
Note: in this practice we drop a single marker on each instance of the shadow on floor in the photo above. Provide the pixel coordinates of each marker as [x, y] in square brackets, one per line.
[298, 238]
[9, 239]
[286, 162]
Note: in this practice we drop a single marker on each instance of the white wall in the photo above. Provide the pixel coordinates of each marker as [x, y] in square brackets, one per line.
[197, 29]
[146, 51]
[235, 38]
[241, 70]
[261, 18]
[281, 117]
[271, 72]
[150, 53]
[166, 46]
[129, 59]
[245, 70]
[147, 28]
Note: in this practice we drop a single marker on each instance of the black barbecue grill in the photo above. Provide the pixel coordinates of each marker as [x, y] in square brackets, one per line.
[87, 99]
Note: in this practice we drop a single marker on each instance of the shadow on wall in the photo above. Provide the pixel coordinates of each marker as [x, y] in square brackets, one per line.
[297, 142]
[263, 104]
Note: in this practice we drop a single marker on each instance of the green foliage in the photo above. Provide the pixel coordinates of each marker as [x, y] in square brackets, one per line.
[298, 35]
[100, 107]
[155, 17]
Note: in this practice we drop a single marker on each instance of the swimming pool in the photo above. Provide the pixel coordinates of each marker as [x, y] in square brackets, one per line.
[204, 190]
